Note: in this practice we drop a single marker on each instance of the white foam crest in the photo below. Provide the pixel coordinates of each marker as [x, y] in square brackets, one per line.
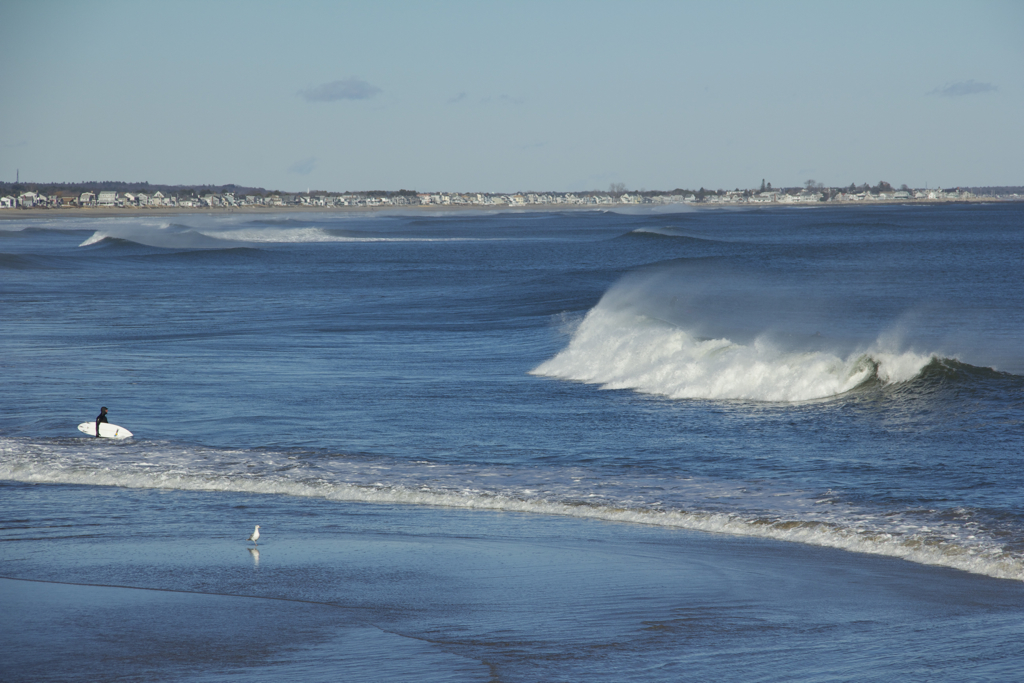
[163, 236]
[620, 349]
[313, 234]
[97, 236]
[979, 557]
[181, 236]
[176, 236]
[279, 235]
[894, 368]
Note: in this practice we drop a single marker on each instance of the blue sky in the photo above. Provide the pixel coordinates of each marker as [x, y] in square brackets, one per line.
[513, 96]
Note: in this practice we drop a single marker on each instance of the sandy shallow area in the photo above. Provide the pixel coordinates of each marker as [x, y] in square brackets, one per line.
[104, 583]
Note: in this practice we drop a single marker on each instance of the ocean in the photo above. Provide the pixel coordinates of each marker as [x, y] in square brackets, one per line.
[624, 445]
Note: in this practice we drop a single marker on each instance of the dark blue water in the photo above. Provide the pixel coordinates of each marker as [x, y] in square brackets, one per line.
[841, 377]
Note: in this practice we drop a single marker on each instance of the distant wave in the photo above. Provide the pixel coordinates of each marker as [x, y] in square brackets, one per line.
[650, 209]
[291, 222]
[281, 235]
[171, 236]
[932, 537]
[186, 239]
[665, 233]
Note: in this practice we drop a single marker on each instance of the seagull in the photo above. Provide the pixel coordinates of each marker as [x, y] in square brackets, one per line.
[254, 535]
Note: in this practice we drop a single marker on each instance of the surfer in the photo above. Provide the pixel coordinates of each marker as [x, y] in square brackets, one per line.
[102, 417]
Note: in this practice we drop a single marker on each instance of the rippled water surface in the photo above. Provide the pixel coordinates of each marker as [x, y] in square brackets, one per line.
[848, 378]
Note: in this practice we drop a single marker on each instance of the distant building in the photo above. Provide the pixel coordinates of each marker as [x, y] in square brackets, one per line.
[107, 198]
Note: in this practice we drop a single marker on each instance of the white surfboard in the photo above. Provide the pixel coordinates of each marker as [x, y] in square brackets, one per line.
[107, 430]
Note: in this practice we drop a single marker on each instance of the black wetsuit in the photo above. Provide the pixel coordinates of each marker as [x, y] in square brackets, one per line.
[102, 417]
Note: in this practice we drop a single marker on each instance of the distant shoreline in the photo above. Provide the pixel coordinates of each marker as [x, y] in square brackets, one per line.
[105, 212]
[79, 212]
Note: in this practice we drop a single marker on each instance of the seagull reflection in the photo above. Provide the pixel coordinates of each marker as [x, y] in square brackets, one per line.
[255, 552]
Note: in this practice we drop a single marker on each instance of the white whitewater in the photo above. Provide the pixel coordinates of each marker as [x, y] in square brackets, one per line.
[623, 349]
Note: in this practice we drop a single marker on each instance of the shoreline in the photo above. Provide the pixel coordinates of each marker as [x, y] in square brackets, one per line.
[89, 212]
[431, 594]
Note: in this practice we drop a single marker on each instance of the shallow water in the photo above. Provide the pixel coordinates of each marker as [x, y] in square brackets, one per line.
[412, 593]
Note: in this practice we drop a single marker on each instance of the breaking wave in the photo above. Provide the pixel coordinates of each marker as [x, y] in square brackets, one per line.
[628, 350]
[184, 237]
[950, 538]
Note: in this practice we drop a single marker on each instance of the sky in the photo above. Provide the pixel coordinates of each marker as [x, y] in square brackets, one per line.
[511, 96]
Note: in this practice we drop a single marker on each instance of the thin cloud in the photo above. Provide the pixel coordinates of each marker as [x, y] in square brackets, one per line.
[348, 89]
[971, 87]
[505, 100]
[303, 167]
[458, 98]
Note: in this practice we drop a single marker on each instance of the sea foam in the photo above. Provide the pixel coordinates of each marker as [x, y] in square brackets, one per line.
[889, 535]
[224, 237]
[620, 348]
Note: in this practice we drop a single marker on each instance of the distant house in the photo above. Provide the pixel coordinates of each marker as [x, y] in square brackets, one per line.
[107, 198]
[86, 199]
[7, 202]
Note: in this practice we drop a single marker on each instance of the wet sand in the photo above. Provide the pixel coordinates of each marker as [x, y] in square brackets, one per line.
[106, 582]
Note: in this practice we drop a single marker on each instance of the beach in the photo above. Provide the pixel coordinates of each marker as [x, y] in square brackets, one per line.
[422, 594]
